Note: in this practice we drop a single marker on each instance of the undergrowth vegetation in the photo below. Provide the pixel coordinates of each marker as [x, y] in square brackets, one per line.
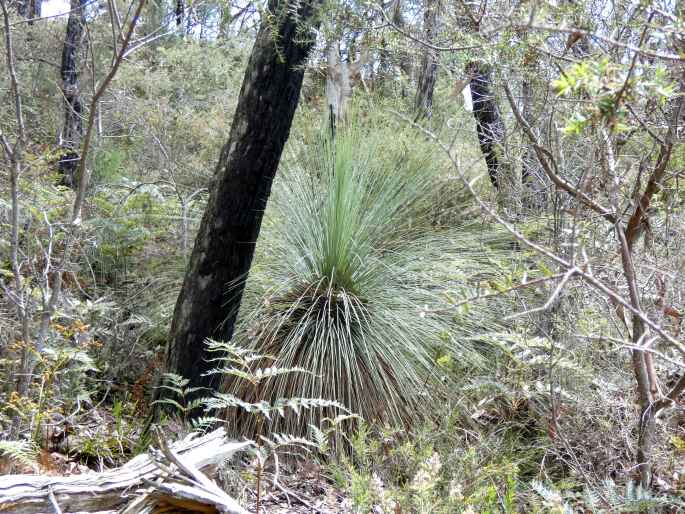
[392, 337]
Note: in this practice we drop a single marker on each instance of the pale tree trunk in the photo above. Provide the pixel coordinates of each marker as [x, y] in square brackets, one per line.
[423, 103]
[338, 87]
[72, 130]
[220, 261]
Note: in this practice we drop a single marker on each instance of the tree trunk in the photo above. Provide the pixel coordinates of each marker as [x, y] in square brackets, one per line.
[30, 9]
[338, 87]
[489, 124]
[72, 131]
[423, 103]
[178, 14]
[213, 287]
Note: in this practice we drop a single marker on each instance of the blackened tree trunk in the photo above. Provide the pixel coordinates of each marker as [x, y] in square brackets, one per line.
[178, 13]
[30, 9]
[220, 261]
[423, 103]
[72, 131]
[489, 124]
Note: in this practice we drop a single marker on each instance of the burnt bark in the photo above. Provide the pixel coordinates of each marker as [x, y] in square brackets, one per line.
[178, 13]
[30, 9]
[423, 102]
[489, 124]
[208, 303]
[72, 130]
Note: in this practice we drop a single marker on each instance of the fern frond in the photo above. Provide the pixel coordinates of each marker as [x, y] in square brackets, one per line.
[279, 440]
[261, 374]
[21, 452]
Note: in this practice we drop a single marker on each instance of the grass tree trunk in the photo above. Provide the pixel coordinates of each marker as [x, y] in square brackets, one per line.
[423, 103]
[220, 261]
[72, 131]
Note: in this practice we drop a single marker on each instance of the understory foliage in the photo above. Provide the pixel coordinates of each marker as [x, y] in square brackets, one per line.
[392, 335]
[353, 282]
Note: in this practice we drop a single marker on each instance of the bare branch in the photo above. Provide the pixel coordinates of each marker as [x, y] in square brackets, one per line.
[82, 174]
[547, 163]
[18, 111]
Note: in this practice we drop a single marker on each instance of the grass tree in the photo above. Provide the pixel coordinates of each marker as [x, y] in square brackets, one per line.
[352, 282]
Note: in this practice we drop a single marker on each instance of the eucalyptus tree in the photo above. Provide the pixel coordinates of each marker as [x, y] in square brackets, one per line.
[30, 9]
[72, 130]
[225, 243]
[489, 123]
[428, 75]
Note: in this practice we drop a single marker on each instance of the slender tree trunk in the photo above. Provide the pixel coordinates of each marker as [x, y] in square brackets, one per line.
[338, 86]
[30, 9]
[178, 13]
[72, 131]
[404, 59]
[489, 124]
[220, 261]
[423, 103]
[532, 176]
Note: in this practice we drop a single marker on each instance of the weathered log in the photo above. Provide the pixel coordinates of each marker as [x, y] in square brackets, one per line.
[142, 477]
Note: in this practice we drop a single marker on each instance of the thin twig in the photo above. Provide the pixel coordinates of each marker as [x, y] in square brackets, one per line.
[420, 41]
[547, 163]
[587, 276]
[587, 33]
[552, 298]
[53, 501]
[304, 502]
[82, 174]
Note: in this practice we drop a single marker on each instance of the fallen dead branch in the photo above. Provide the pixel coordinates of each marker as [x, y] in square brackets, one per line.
[171, 479]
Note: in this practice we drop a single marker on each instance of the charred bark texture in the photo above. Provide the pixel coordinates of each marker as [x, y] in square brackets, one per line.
[221, 258]
[423, 103]
[178, 13]
[489, 124]
[72, 131]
